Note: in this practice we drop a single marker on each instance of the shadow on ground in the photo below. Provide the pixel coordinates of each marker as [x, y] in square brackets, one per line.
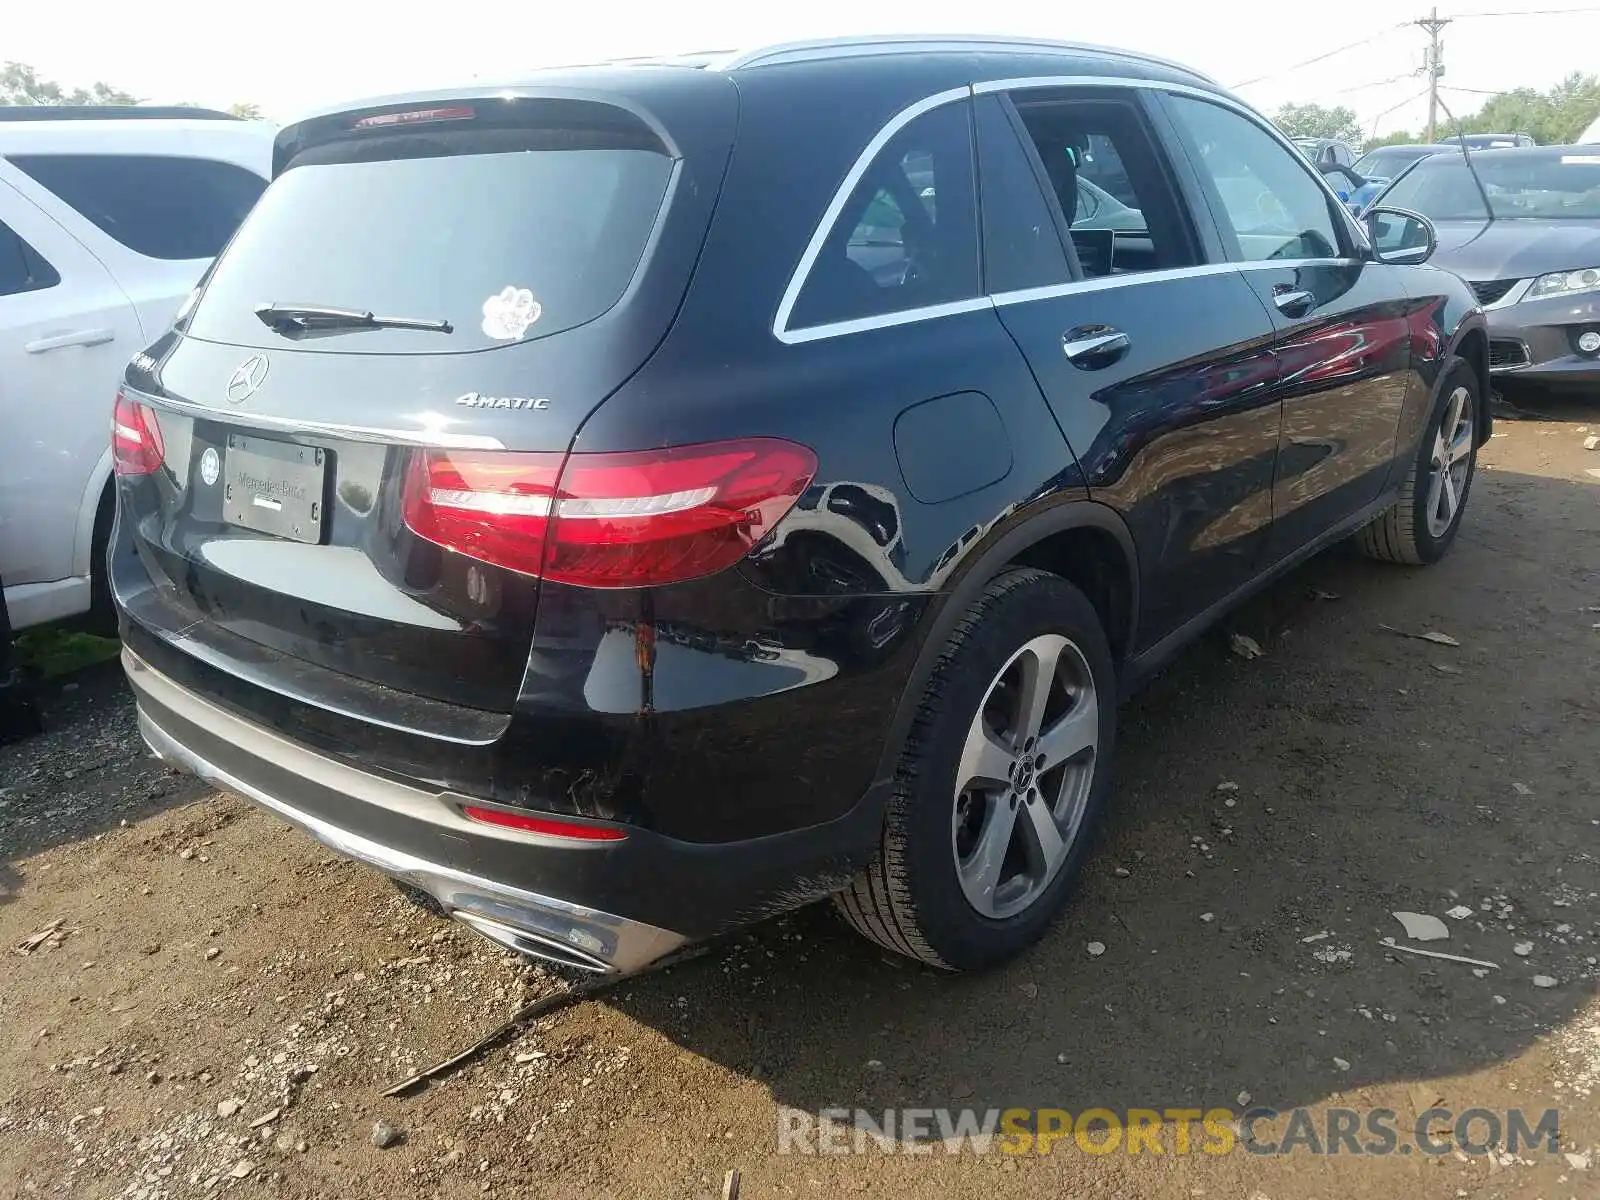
[1375, 772]
[87, 772]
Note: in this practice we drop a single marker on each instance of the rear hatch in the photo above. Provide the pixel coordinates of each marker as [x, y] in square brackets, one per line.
[428, 291]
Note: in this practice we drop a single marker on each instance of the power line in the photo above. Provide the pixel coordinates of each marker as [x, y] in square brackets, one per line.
[1528, 12]
[1366, 41]
[1361, 87]
[1396, 108]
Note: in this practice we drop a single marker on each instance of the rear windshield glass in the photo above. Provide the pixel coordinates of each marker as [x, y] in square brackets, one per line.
[505, 234]
[1388, 161]
[1550, 186]
[158, 206]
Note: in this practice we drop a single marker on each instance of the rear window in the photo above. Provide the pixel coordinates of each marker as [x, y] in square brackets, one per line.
[158, 206]
[505, 233]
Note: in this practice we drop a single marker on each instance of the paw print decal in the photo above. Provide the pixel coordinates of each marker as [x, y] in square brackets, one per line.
[509, 312]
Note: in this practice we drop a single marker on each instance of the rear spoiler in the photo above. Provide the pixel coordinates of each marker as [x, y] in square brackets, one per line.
[530, 108]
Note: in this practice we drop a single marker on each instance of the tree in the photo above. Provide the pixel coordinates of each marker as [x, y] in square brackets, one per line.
[246, 111]
[1554, 118]
[1313, 120]
[21, 84]
[1400, 137]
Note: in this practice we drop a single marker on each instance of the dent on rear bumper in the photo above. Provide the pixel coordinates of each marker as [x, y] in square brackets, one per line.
[523, 920]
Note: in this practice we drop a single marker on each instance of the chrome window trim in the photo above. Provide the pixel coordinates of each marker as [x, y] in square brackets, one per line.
[357, 433]
[1276, 264]
[1105, 283]
[927, 312]
[1049, 292]
[841, 196]
[1339, 214]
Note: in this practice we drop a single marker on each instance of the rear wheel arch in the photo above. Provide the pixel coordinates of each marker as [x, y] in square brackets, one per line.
[1472, 344]
[1098, 562]
[101, 617]
[99, 497]
[1082, 541]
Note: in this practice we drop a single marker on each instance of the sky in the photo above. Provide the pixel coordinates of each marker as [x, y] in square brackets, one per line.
[290, 59]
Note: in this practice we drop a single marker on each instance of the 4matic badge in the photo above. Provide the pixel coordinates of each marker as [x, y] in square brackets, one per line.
[479, 400]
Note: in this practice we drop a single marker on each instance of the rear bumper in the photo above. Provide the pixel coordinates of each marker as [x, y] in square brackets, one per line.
[521, 919]
[611, 907]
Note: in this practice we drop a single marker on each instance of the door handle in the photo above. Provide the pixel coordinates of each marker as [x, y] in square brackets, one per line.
[1293, 302]
[1091, 347]
[78, 337]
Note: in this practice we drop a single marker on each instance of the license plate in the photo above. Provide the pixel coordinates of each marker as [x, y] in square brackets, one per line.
[275, 487]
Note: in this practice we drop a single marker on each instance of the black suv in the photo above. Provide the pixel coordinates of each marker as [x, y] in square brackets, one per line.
[632, 501]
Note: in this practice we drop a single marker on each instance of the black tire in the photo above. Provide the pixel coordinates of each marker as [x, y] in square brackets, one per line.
[1401, 533]
[101, 619]
[19, 714]
[910, 899]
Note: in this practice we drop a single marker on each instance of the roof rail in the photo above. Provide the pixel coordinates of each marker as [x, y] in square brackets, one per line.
[110, 112]
[691, 58]
[847, 47]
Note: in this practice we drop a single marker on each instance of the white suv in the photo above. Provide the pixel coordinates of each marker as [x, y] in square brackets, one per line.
[108, 217]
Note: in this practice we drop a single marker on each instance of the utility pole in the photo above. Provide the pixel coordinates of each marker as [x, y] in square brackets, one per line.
[1434, 66]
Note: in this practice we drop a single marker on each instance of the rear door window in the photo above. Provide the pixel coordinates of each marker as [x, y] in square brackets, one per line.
[1108, 181]
[1021, 243]
[907, 236]
[505, 233]
[158, 206]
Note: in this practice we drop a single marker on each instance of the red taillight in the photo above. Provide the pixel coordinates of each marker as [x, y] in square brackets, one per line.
[550, 826]
[608, 520]
[414, 116]
[136, 447]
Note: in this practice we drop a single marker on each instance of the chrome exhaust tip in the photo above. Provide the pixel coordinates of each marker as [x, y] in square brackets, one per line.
[535, 945]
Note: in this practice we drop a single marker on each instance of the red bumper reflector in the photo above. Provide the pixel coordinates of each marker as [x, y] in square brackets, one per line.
[549, 826]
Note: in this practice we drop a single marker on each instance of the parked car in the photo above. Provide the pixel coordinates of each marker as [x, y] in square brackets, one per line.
[107, 218]
[1376, 167]
[1529, 243]
[19, 712]
[1490, 141]
[455, 516]
[1099, 209]
[1330, 152]
[1346, 184]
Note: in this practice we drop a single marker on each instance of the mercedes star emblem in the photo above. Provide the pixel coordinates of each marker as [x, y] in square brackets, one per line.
[242, 384]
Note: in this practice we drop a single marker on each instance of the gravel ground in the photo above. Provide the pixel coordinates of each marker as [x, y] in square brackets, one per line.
[217, 1004]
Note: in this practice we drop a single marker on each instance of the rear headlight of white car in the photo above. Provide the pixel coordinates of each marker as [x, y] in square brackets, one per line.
[1565, 283]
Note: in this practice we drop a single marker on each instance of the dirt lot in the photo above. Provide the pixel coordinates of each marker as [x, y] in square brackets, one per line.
[223, 1002]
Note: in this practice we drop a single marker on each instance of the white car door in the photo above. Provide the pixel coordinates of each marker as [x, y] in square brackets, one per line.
[66, 330]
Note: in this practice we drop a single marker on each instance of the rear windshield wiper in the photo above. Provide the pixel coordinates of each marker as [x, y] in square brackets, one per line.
[294, 317]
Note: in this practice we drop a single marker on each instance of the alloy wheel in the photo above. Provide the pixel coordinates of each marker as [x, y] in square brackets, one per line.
[1451, 463]
[1025, 775]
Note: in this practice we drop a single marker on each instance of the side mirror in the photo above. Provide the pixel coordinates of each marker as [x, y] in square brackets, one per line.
[1399, 236]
